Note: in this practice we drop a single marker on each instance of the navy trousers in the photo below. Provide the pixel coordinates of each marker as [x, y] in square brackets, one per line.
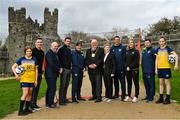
[120, 76]
[51, 90]
[76, 84]
[149, 83]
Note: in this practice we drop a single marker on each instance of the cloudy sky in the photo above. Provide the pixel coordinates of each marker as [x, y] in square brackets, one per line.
[94, 15]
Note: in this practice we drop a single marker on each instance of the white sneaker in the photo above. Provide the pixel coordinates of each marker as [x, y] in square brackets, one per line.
[109, 100]
[135, 99]
[105, 99]
[126, 99]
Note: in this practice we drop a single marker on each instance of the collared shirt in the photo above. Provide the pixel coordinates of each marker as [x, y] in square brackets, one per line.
[162, 57]
[105, 57]
[29, 66]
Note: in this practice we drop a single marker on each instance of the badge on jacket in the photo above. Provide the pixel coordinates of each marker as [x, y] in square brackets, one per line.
[93, 55]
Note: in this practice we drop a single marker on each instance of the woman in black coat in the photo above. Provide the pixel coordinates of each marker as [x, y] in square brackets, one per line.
[108, 72]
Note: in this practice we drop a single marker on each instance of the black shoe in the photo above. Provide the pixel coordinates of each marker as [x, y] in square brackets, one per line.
[122, 98]
[167, 101]
[144, 99]
[36, 107]
[98, 100]
[115, 96]
[91, 98]
[62, 103]
[28, 111]
[53, 106]
[67, 101]
[160, 100]
[22, 113]
[82, 99]
[149, 100]
[75, 101]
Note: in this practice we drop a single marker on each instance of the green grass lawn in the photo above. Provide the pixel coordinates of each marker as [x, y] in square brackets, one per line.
[10, 93]
[175, 86]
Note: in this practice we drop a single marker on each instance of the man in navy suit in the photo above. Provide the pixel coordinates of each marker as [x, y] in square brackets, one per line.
[51, 73]
[78, 65]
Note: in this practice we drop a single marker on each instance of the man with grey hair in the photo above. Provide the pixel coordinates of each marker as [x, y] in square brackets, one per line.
[52, 71]
[94, 62]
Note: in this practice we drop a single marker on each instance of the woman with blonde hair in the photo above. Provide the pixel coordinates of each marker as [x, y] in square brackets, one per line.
[132, 70]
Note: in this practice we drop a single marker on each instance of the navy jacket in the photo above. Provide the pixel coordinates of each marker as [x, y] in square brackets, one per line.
[78, 61]
[52, 64]
[119, 52]
[148, 60]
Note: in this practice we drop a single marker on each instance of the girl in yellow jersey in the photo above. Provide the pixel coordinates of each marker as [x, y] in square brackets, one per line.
[163, 69]
[28, 79]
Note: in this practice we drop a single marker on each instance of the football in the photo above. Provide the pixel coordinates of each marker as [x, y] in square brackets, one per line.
[19, 70]
[171, 58]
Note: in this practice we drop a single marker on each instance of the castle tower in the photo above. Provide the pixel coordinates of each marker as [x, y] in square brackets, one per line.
[23, 31]
[15, 41]
[16, 19]
[50, 21]
[50, 27]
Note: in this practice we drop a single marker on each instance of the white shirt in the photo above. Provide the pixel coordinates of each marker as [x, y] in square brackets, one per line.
[105, 57]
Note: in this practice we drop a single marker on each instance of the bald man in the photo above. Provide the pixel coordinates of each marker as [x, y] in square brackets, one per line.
[51, 73]
[94, 62]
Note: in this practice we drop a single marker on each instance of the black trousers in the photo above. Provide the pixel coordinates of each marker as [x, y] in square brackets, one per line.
[133, 75]
[76, 84]
[120, 77]
[108, 86]
[149, 83]
[96, 84]
[51, 90]
[64, 83]
[36, 89]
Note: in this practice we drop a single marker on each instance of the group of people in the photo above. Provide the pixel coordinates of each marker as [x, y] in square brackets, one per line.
[115, 65]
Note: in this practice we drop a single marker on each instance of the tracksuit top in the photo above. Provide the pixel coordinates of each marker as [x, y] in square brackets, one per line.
[148, 60]
[119, 53]
[78, 61]
[132, 59]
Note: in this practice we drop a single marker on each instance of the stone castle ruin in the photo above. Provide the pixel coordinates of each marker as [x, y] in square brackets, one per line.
[24, 31]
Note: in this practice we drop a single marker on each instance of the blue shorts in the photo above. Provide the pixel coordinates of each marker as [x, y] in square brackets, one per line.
[164, 73]
[24, 84]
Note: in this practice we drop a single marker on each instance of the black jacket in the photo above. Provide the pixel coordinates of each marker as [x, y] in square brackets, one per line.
[132, 59]
[39, 55]
[52, 64]
[64, 54]
[97, 59]
[109, 66]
